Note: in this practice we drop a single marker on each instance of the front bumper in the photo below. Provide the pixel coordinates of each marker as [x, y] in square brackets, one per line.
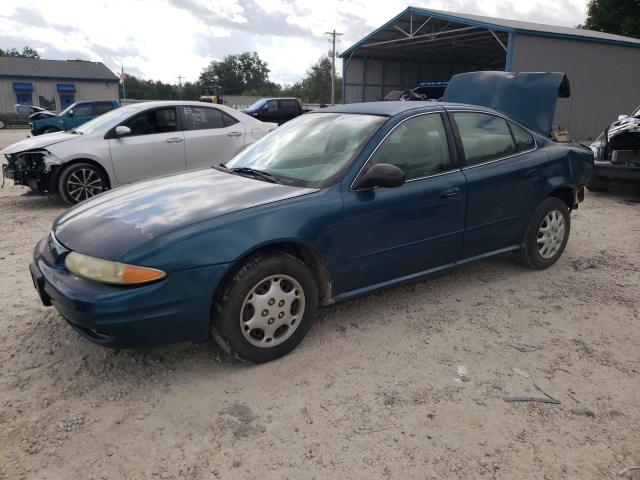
[607, 174]
[174, 309]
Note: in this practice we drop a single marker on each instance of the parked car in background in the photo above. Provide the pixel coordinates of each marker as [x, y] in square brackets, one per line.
[128, 144]
[278, 110]
[335, 204]
[617, 154]
[72, 116]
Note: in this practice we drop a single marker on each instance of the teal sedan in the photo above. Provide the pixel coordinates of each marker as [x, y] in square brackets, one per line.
[335, 204]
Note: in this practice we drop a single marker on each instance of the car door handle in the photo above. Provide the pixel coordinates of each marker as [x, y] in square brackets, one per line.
[234, 134]
[450, 193]
[532, 173]
[174, 140]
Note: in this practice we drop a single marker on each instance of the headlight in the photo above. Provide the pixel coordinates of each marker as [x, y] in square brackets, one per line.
[49, 160]
[106, 271]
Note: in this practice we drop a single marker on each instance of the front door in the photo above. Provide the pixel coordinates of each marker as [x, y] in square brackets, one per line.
[24, 99]
[154, 148]
[211, 136]
[391, 233]
[66, 101]
[502, 168]
[81, 113]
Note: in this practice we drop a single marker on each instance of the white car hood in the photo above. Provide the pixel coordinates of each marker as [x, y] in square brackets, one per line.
[37, 142]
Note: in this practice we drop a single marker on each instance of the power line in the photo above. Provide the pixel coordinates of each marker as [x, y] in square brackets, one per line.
[333, 34]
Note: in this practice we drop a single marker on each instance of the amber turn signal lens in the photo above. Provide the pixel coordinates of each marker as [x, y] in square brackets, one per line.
[134, 274]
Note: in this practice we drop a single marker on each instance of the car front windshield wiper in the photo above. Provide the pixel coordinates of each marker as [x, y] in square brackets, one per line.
[73, 130]
[222, 168]
[255, 173]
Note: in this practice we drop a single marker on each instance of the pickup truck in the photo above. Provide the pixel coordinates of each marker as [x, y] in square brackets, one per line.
[73, 116]
[276, 110]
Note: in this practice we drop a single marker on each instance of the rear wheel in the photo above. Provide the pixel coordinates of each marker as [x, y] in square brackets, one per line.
[80, 181]
[265, 310]
[547, 234]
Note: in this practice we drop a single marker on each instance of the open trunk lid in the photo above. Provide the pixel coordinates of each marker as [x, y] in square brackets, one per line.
[529, 97]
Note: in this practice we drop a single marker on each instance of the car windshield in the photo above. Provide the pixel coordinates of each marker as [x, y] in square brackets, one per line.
[312, 150]
[257, 104]
[106, 120]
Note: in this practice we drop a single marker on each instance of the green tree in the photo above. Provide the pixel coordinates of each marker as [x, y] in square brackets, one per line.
[27, 52]
[621, 17]
[237, 74]
[316, 86]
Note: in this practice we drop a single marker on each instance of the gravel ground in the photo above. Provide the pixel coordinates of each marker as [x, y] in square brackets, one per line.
[372, 392]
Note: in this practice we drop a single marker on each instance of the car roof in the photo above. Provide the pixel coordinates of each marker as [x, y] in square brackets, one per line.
[391, 108]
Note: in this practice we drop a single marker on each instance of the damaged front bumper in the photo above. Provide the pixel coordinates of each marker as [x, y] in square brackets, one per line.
[30, 168]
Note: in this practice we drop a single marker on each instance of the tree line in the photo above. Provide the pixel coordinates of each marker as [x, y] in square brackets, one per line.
[239, 74]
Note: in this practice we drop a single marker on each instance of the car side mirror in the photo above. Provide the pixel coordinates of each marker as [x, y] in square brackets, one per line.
[622, 117]
[71, 113]
[122, 131]
[382, 175]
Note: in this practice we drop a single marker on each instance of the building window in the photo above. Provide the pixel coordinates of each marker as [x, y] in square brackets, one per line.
[47, 102]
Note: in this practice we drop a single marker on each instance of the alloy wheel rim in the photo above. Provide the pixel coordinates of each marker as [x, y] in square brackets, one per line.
[551, 234]
[84, 183]
[272, 311]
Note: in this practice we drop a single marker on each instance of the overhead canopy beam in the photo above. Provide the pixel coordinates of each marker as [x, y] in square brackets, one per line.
[499, 41]
[428, 36]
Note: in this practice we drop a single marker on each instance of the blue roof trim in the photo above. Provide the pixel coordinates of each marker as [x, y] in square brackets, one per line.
[66, 87]
[477, 23]
[22, 87]
[44, 77]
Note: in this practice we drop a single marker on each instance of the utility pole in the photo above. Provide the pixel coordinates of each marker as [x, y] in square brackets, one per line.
[180, 77]
[333, 35]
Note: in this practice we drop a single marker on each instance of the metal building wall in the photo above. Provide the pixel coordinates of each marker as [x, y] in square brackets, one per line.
[605, 79]
[85, 90]
[369, 80]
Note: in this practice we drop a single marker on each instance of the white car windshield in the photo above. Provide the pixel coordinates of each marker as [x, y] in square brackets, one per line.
[106, 120]
[312, 150]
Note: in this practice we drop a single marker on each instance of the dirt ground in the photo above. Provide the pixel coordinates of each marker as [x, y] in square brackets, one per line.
[371, 393]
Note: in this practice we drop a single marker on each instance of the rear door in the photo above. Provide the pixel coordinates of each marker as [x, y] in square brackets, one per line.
[211, 136]
[287, 109]
[502, 167]
[392, 233]
[154, 148]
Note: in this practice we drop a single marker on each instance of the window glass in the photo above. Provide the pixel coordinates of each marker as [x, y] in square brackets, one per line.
[153, 121]
[484, 137]
[83, 110]
[47, 102]
[201, 118]
[228, 120]
[524, 140]
[418, 146]
[289, 106]
[272, 106]
[103, 107]
[312, 150]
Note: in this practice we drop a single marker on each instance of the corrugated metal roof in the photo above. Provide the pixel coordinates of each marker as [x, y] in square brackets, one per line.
[58, 69]
[504, 25]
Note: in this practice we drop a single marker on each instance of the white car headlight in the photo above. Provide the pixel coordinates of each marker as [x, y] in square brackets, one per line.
[107, 271]
[49, 160]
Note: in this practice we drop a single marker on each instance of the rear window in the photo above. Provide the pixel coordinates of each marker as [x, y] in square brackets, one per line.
[524, 140]
[202, 118]
[484, 137]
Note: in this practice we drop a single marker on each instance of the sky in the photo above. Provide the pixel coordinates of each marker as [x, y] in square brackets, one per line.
[168, 39]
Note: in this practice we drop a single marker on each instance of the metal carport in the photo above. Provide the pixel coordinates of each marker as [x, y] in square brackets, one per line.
[423, 45]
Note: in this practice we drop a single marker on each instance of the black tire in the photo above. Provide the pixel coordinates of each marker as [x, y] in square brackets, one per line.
[597, 189]
[530, 255]
[72, 174]
[50, 130]
[259, 270]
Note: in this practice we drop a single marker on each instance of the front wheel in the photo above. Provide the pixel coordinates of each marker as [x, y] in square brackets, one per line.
[50, 130]
[265, 310]
[547, 234]
[80, 181]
